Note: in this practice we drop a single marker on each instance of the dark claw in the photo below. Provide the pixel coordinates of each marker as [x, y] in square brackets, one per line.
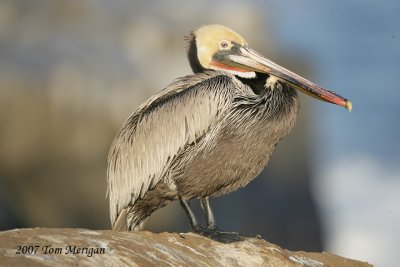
[220, 236]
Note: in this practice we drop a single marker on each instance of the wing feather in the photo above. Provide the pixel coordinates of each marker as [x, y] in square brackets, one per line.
[159, 130]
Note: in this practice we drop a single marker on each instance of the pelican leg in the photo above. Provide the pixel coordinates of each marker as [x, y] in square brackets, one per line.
[212, 230]
[189, 212]
[205, 205]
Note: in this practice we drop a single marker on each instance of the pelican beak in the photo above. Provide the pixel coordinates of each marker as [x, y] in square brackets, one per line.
[250, 60]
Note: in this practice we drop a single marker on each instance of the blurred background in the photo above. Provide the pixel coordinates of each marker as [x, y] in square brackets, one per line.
[71, 72]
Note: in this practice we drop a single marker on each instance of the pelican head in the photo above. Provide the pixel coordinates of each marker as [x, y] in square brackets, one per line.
[216, 47]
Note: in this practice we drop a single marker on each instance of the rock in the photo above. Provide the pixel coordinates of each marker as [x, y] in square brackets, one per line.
[65, 247]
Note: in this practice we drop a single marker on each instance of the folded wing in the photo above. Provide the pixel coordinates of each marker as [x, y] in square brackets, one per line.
[159, 131]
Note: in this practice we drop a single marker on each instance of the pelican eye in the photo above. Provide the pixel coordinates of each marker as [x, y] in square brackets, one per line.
[224, 45]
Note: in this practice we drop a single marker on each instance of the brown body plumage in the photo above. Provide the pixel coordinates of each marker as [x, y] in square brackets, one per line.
[206, 134]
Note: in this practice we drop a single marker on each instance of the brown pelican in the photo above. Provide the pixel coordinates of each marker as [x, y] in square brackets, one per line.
[206, 134]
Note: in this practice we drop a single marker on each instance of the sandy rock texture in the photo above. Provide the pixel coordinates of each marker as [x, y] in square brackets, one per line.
[73, 247]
